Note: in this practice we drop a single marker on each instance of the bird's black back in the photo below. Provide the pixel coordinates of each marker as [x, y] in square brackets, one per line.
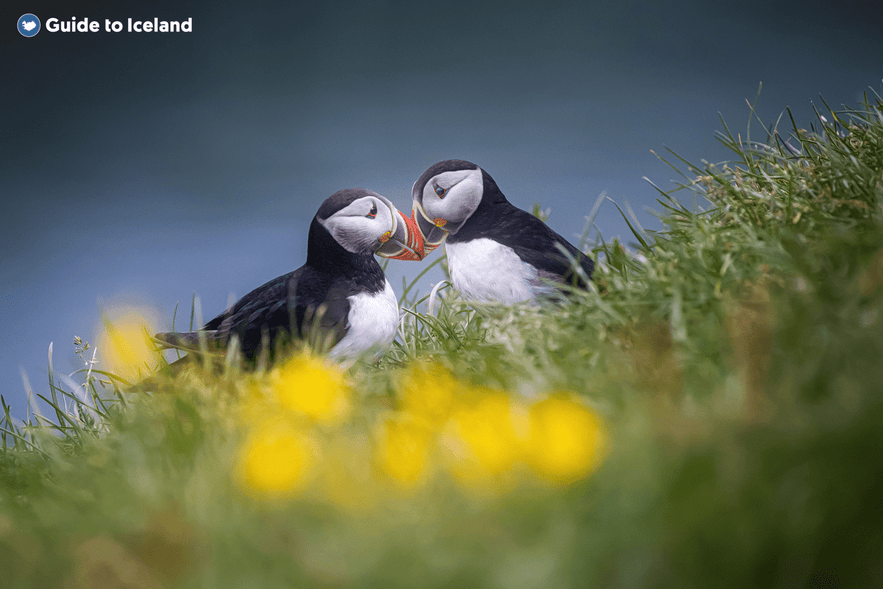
[534, 241]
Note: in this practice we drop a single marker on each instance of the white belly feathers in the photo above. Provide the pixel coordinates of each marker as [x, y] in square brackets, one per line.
[373, 320]
[486, 271]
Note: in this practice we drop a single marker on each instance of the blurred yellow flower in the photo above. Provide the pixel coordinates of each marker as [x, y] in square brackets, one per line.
[566, 440]
[306, 384]
[481, 438]
[123, 346]
[403, 448]
[274, 459]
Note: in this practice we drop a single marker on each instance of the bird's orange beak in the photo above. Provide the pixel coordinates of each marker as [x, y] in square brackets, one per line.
[404, 242]
[432, 231]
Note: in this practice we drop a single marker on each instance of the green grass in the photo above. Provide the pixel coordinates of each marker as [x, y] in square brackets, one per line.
[736, 358]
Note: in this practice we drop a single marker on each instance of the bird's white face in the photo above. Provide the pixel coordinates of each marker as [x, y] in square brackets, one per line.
[449, 199]
[368, 225]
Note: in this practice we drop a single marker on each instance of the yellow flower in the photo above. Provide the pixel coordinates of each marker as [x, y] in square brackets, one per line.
[403, 448]
[481, 437]
[123, 346]
[308, 385]
[566, 440]
[274, 460]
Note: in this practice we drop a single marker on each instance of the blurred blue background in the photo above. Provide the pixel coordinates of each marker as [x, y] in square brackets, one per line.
[141, 168]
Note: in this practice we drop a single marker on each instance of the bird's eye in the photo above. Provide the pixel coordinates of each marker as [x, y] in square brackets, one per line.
[373, 212]
[440, 191]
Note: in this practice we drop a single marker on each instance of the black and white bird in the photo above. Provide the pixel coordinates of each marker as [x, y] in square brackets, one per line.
[341, 290]
[496, 251]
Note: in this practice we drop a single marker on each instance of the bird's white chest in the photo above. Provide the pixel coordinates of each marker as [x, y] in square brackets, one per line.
[486, 271]
[373, 320]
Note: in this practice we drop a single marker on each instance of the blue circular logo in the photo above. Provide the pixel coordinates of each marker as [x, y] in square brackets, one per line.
[28, 25]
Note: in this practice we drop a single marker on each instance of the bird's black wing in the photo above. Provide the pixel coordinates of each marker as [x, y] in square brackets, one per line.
[535, 243]
[264, 312]
[281, 310]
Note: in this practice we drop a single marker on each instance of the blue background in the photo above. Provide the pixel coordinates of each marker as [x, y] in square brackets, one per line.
[146, 167]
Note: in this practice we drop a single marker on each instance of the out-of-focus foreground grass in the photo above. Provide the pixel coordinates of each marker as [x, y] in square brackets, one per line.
[710, 415]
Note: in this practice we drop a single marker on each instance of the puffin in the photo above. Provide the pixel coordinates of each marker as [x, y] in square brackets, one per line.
[339, 298]
[496, 252]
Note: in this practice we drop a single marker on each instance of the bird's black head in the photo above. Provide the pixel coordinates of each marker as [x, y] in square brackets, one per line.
[447, 194]
[361, 222]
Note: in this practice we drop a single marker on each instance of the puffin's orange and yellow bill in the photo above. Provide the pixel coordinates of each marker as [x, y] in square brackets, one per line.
[405, 242]
[432, 231]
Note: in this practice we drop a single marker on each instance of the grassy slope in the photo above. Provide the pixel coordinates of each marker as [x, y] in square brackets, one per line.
[737, 363]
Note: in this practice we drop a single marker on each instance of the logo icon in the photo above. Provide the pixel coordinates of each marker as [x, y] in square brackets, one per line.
[28, 25]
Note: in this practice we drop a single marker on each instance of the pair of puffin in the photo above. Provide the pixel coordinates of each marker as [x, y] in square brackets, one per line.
[496, 253]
